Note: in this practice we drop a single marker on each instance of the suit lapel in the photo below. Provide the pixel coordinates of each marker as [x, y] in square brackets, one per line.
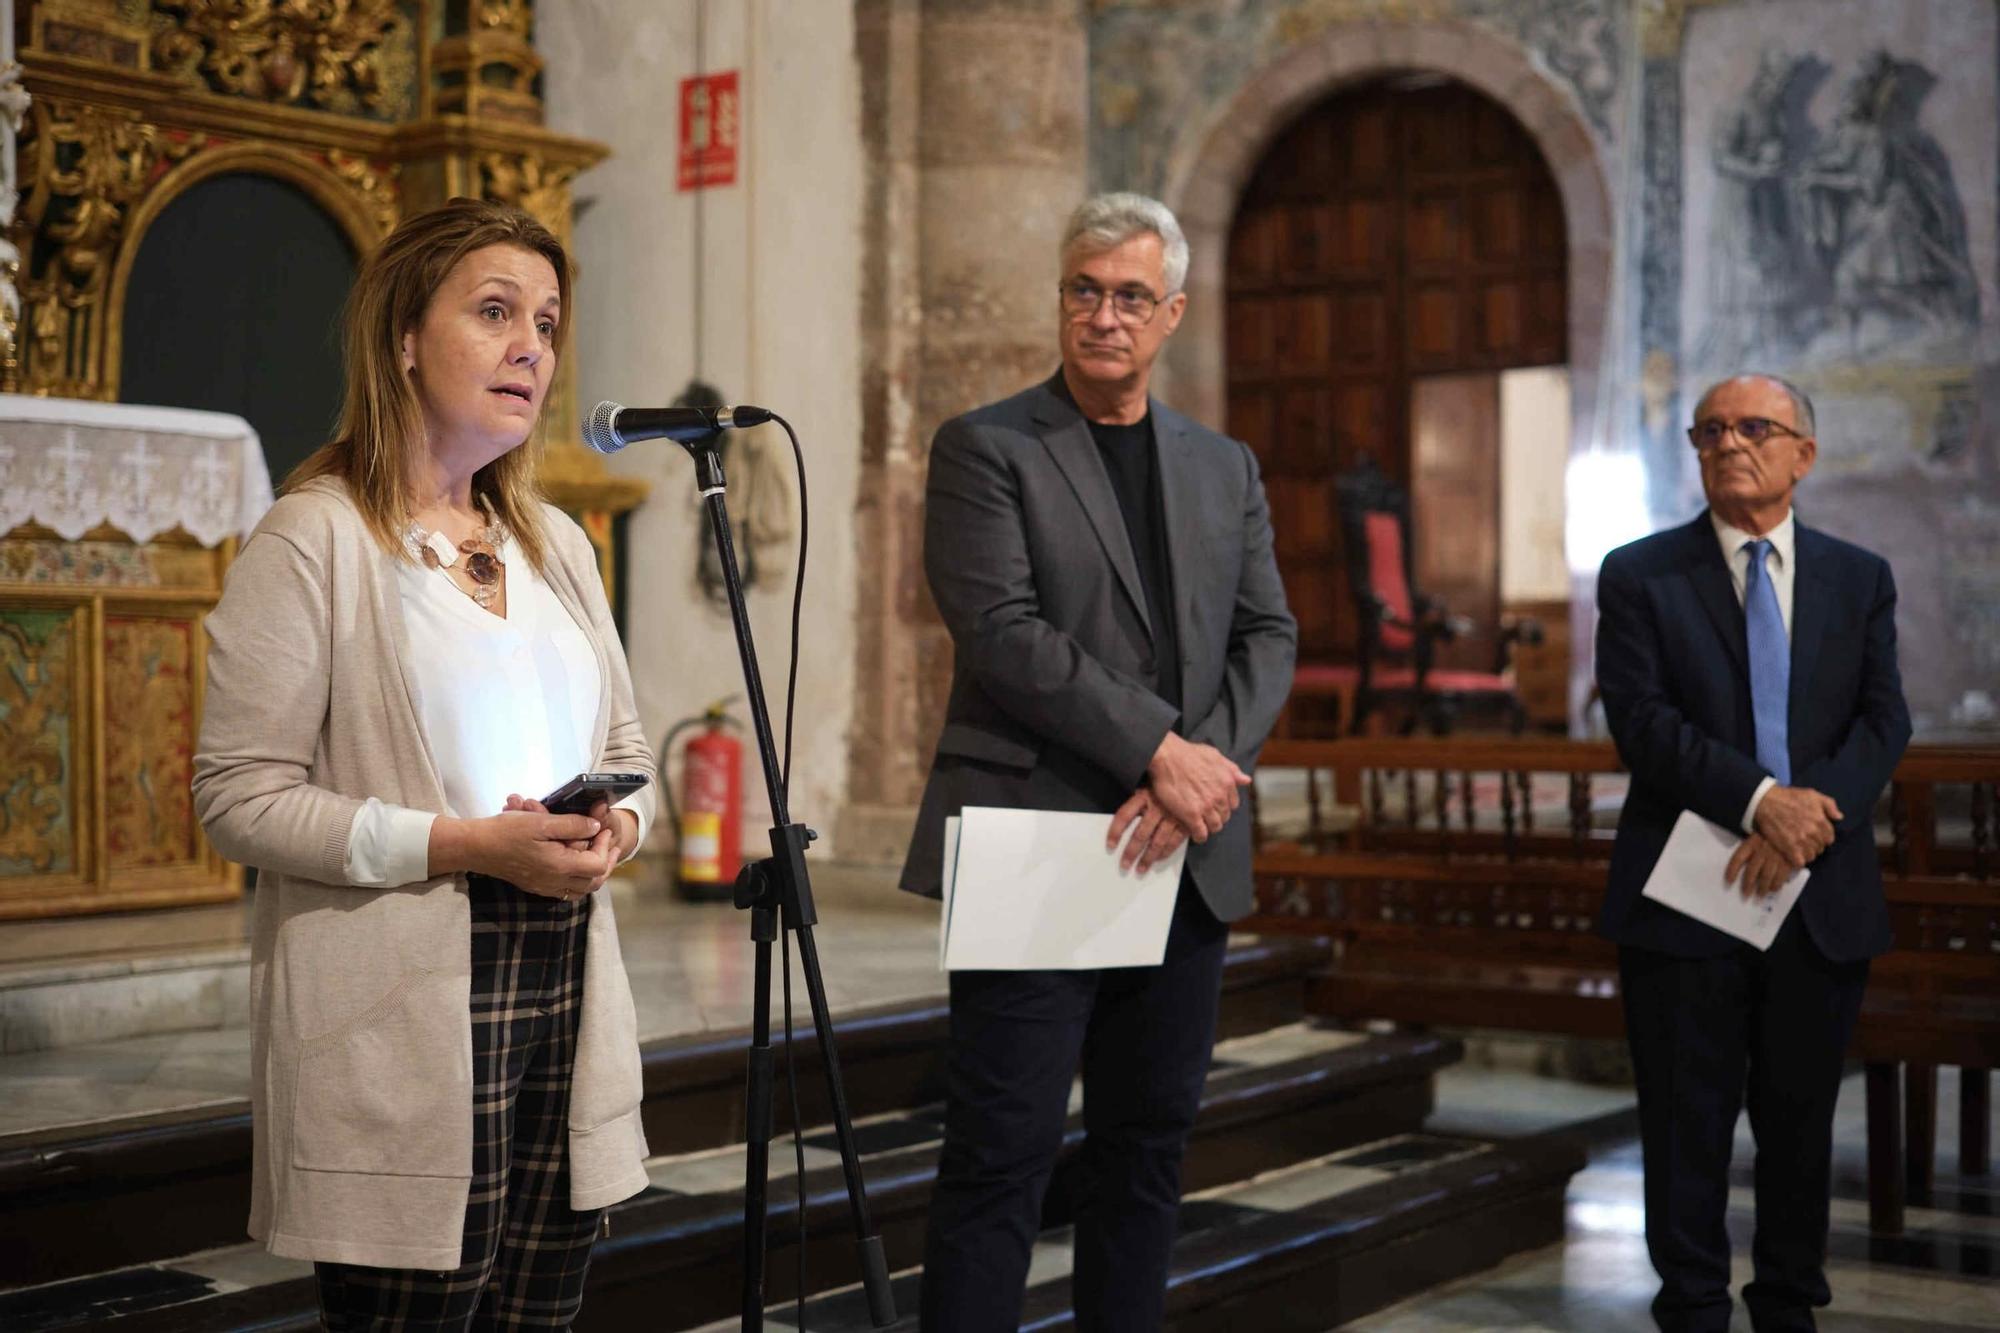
[1811, 592]
[1180, 500]
[1714, 590]
[1066, 435]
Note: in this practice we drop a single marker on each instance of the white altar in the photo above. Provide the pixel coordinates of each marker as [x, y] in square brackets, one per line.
[71, 465]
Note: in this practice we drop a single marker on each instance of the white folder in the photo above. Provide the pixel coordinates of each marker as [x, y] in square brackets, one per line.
[1688, 878]
[1039, 889]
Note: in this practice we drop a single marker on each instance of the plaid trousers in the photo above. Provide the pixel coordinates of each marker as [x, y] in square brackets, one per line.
[525, 1252]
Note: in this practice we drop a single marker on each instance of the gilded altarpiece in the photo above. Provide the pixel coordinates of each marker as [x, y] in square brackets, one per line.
[374, 109]
[101, 659]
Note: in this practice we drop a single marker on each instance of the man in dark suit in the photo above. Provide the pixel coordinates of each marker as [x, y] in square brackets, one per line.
[1122, 644]
[1748, 669]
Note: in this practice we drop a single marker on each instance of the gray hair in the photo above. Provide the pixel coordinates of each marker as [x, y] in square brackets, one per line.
[1106, 220]
[1802, 408]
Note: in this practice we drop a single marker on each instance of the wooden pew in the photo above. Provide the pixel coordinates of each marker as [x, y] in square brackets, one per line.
[1459, 880]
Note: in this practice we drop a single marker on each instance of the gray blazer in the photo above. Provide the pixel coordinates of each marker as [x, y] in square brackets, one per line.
[1052, 695]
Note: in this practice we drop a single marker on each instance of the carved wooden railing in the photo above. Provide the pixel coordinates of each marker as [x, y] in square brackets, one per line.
[1460, 882]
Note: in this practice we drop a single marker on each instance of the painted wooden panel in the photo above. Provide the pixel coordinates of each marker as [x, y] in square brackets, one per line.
[149, 735]
[44, 704]
[102, 659]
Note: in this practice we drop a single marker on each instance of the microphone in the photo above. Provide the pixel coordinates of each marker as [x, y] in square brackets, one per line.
[612, 426]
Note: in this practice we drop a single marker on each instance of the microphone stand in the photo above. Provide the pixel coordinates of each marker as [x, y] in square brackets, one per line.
[773, 890]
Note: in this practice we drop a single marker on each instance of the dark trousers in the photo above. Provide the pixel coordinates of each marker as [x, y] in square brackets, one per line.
[1143, 1037]
[1710, 1036]
[525, 1253]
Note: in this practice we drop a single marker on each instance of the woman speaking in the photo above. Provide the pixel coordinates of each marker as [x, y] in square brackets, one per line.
[445, 1062]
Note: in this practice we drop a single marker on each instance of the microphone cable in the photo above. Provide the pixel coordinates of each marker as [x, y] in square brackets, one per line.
[785, 936]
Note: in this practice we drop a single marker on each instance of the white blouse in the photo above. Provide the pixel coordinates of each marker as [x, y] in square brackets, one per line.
[507, 706]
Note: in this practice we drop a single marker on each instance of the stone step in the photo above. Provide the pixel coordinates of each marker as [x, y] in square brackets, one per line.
[59, 1006]
[76, 983]
[1272, 1099]
[1303, 1248]
[124, 1191]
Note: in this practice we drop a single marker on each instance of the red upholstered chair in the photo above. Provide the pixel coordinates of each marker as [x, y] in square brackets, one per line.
[1400, 628]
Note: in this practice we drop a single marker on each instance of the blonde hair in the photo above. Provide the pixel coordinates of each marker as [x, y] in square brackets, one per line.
[381, 422]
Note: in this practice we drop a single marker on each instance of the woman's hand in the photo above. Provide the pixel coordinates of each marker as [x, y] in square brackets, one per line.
[623, 826]
[554, 856]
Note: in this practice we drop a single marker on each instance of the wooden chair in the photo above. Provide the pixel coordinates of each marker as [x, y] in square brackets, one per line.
[1399, 628]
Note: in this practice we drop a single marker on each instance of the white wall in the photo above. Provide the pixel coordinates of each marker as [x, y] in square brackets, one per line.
[774, 264]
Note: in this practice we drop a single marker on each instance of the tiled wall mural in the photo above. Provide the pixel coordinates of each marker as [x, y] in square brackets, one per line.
[1838, 174]
[1156, 63]
[1806, 186]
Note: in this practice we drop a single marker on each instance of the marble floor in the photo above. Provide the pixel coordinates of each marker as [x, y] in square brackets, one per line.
[1943, 1275]
[691, 970]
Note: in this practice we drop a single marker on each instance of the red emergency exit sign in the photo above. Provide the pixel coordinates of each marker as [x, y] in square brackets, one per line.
[711, 128]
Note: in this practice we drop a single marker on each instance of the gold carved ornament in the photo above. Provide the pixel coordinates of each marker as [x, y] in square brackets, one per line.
[330, 54]
[537, 188]
[375, 188]
[488, 72]
[83, 167]
[514, 17]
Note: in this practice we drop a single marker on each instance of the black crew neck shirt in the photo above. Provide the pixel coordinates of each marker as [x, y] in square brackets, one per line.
[1131, 457]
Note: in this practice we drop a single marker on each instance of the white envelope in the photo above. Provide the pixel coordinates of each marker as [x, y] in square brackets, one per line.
[1038, 889]
[1688, 878]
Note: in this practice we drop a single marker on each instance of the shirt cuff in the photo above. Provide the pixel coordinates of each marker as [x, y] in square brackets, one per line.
[642, 810]
[388, 845]
[1756, 799]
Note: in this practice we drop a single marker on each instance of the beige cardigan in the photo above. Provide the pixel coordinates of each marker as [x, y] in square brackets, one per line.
[361, 1054]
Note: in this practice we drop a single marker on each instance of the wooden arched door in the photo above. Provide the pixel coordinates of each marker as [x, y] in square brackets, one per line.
[1397, 231]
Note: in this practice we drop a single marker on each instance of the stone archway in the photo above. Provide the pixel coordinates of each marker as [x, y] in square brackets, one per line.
[1208, 168]
[1207, 171]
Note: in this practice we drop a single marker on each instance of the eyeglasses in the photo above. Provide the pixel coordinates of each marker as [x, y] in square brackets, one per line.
[1132, 305]
[1709, 434]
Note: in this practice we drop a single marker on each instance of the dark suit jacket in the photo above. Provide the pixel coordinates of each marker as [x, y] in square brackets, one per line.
[1673, 669]
[1052, 695]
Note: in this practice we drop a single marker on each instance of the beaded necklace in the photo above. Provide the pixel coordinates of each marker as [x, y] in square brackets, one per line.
[483, 564]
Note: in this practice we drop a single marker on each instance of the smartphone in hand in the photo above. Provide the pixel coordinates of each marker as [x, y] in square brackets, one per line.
[580, 793]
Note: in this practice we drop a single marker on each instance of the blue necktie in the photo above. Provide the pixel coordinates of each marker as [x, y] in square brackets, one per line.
[1770, 665]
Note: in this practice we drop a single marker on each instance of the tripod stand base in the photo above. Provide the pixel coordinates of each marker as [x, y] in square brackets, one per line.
[774, 892]
[875, 1277]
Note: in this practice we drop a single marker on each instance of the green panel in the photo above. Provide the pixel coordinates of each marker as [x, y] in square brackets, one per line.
[39, 699]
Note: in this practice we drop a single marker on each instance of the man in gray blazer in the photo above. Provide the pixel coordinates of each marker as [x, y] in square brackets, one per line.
[1105, 568]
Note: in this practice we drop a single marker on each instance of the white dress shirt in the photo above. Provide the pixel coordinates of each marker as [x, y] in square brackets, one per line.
[1782, 568]
[507, 705]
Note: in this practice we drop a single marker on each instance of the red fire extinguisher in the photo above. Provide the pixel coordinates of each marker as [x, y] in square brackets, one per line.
[709, 817]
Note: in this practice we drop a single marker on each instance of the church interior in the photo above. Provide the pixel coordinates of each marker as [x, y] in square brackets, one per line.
[1458, 270]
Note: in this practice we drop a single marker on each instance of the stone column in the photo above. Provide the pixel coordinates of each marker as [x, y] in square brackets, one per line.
[974, 120]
